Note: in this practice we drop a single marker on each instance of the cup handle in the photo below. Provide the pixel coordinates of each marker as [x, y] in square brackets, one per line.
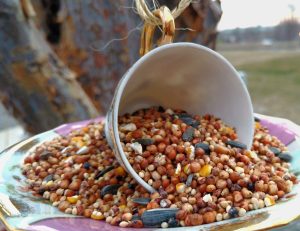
[168, 30]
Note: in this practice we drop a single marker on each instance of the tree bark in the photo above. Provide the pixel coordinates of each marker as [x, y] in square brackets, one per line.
[93, 42]
[35, 85]
[61, 60]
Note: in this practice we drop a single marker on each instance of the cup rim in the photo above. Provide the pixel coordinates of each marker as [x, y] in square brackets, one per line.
[124, 82]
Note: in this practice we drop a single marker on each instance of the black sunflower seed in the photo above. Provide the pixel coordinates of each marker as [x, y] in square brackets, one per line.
[204, 146]
[131, 186]
[110, 189]
[276, 151]
[144, 141]
[190, 121]
[256, 119]
[120, 178]
[155, 217]
[45, 155]
[188, 135]
[41, 191]
[182, 115]
[141, 200]
[48, 178]
[189, 180]
[236, 144]
[285, 156]
[160, 109]
[102, 172]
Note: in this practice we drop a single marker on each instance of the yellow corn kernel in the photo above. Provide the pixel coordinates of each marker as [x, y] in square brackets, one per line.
[186, 169]
[97, 215]
[251, 154]
[257, 125]
[119, 171]
[78, 141]
[269, 201]
[226, 130]
[122, 207]
[80, 144]
[180, 187]
[49, 183]
[85, 129]
[205, 170]
[72, 199]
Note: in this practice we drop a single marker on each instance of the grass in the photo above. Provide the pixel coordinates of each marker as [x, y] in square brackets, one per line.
[247, 57]
[273, 80]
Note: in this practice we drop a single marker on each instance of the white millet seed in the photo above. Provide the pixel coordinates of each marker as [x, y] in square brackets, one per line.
[128, 127]
[142, 174]
[123, 224]
[151, 167]
[226, 216]
[68, 210]
[228, 208]
[164, 225]
[207, 198]
[74, 211]
[137, 147]
[219, 217]
[242, 212]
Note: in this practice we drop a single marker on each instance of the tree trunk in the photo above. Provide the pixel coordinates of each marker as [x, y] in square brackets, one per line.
[34, 84]
[61, 60]
[93, 42]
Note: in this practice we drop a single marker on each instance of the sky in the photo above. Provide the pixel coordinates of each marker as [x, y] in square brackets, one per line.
[248, 13]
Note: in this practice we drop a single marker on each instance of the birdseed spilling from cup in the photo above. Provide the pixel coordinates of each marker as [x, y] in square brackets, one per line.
[200, 171]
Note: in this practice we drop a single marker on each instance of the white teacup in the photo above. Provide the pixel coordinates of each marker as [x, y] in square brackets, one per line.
[184, 76]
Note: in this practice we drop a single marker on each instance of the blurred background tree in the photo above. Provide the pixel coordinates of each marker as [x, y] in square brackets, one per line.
[287, 30]
[58, 64]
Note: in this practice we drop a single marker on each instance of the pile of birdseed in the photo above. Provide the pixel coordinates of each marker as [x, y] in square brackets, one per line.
[201, 173]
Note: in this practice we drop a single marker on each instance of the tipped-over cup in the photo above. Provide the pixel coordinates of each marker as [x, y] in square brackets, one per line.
[182, 76]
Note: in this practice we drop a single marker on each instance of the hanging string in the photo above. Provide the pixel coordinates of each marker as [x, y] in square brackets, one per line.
[147, 15]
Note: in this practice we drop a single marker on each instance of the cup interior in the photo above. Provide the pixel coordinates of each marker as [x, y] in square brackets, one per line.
[190, 77]
[184, 76]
